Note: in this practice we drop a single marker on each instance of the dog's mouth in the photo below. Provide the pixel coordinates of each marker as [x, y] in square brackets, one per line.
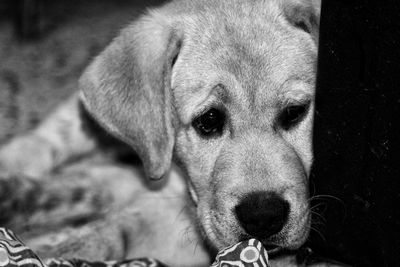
[272, 249]
[221, 231]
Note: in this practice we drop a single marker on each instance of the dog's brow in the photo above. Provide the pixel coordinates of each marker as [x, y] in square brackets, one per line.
[296, 92]
[216, 96]
[296, 97]
[223, 93]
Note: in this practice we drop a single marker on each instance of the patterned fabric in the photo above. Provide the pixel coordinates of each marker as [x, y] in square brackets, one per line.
[250, 253]
[144, 262]
[13, 253]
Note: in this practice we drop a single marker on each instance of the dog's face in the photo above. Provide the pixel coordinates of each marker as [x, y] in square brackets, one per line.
[244, 97]
[235, 105]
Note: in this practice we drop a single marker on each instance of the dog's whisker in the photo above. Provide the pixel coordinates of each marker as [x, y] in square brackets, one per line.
[325, 204]
[195, 247]
[317, 206]
[179, 215]
[313, 188]
[318, 221]
[318, 224]
[319, 216]
[319, 197]
[318, 233]
[185, 208]
[187, 234]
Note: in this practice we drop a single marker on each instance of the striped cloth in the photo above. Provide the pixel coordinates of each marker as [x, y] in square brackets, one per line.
[13, 253]
[250, 253]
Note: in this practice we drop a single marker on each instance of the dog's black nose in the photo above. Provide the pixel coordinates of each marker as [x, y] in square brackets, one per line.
[262, 214]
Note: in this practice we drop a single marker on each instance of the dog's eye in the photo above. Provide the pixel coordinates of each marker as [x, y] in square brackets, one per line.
[303, 26]
[292, 115]
[210, 123]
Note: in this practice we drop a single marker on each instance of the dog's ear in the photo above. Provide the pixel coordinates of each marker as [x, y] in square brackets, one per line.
[304, 14]
[127, 90]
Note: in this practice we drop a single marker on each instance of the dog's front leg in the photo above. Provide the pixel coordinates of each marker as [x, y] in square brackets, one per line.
[133, 232]
[96, 241]
[58, 138]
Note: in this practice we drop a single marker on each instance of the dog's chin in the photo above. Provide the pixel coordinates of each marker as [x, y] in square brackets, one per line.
[284, 241]
[292, 236]
[289, 239]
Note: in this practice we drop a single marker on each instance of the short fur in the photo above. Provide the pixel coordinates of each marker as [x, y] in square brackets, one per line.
[252, 59]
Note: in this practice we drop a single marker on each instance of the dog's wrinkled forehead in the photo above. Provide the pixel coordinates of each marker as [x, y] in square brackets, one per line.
[247, 54]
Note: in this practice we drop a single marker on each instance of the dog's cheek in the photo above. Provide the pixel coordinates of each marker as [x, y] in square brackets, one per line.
[301, 141]
[298, 228]
[210, 177]
[196, 158]
[218, 226]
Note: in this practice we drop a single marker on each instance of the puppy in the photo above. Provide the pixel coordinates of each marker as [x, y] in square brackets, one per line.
[225, 89]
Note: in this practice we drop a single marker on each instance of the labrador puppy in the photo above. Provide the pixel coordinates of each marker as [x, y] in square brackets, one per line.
[225, 89]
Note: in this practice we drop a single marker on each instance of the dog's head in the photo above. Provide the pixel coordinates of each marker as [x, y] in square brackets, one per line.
[227, 88]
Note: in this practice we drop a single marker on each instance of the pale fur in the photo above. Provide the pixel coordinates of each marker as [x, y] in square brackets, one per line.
[250, 57]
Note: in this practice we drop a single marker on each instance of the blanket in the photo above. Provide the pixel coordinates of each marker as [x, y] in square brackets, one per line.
[13, 253]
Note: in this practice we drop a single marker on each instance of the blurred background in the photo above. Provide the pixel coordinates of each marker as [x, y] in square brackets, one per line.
[46, 44]
[44, 47]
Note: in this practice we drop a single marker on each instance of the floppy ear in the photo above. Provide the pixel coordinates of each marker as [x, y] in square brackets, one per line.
[127, 90]
[304, 14]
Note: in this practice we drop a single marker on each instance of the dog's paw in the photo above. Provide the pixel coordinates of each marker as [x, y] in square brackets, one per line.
[17, 198]
[29, 155]
[95, 241]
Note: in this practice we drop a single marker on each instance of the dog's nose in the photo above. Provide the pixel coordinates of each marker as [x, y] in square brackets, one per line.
[262, 214]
